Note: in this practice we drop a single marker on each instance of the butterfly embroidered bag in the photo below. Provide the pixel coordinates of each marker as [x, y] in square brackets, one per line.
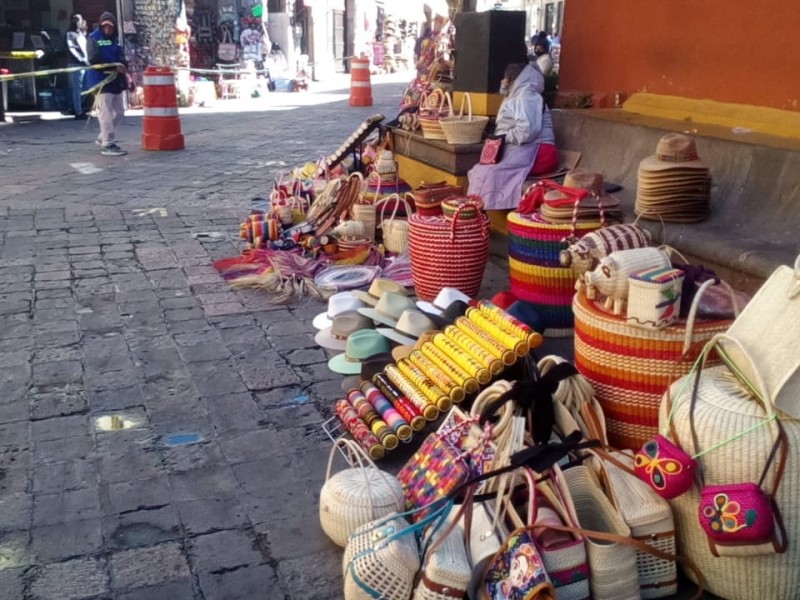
[743, 515]
[665, 467]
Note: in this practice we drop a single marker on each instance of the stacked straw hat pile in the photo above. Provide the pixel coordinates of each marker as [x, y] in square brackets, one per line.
[674, 184]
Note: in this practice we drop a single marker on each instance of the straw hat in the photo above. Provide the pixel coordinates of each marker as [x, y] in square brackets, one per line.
[589, 208]
[389, 308]
[410, 326]
[361, 345]
[337, 304]
[674, 151]
[344, 325]
[405, 351]
[450, 314]
[444, 298]
[377, 289]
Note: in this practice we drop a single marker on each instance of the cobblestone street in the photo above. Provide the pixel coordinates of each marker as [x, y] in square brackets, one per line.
[112, 315]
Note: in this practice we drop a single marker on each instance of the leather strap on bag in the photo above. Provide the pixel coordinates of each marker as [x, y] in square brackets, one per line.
[637, 545]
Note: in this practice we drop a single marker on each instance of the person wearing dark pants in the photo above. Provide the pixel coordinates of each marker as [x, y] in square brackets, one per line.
[76, 44]
[103, 48]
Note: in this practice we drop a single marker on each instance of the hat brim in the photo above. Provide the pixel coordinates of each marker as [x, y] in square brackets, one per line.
[322, 321]
[350, 383]
[377, 317]
[401, 352]
[108, 22]
[340, 364]
[396, 336]
[653, 163]
[365, 297]
[325, 339]
[429, 307]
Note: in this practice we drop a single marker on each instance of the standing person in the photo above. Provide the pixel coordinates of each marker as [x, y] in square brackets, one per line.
[103, 48]
[541, 53]
[76, 44]
[525, 122]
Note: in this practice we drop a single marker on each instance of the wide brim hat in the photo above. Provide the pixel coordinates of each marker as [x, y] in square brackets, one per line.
[504, 299]
[361, 346]
[377, 289]
[337, 304]
[449, 316]
[526, 313]
[444, 298]
[411, 325]
[369, 368]
[344, 325]
[388, 309]
[674, 151]
[405, 351]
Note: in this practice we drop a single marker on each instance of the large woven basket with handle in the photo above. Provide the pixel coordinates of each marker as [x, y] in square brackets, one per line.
[461, 128]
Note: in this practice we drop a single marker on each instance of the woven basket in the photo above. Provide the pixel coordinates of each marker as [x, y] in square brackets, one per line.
[446, 572]
[388, 568]
[464, 129]
[724, 410]
[472, 207]
[395, 229]
[432, 110]
[650, 520]
[535, 271]
[613, 572]
[376, 188]
[448, 253]
[365, 213]
[355, 496]
[630, 367]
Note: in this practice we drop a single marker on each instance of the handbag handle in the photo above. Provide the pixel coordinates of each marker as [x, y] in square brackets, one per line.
[759, 390]
[692, 316]
[398, 200]
[469, 204]
[465, 97]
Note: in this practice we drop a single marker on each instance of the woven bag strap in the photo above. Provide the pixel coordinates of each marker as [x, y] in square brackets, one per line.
[759, 391]
[469, 204]
[695, 308]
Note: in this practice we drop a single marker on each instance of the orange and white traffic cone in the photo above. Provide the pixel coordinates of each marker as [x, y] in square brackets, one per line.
[161, 126]
[360, 86]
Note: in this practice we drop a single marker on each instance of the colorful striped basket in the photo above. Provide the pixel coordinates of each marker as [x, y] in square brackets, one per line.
[630, 367]
[535, 271]
[448, 253]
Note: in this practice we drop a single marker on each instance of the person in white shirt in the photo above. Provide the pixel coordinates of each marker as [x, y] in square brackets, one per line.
[76, 44]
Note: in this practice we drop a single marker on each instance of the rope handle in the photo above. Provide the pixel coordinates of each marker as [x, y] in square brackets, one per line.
[396, 197]
[794, 288]
[759, 392]
[692, 317]
[469, 204]
[465, 97]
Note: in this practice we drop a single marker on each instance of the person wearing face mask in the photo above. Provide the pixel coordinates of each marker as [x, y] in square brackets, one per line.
[524, 120]
[541, 53]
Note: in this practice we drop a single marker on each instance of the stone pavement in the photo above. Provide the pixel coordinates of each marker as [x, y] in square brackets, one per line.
[111, 316]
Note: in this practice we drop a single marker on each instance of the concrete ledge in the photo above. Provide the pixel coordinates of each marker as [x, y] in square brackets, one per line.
[755, 199]
[454, 159]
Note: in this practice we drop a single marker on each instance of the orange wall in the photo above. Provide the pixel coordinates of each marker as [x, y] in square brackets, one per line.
[739, 51]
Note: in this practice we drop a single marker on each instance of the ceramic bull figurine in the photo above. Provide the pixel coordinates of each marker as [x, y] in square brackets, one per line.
[585, 254]
[610, 277]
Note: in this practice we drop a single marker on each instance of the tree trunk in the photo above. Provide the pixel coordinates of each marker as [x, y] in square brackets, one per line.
[157, 23]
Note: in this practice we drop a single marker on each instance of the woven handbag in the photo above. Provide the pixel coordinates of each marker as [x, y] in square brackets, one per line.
[446, 572]
[448, 253]
[428, 197]
[735, 425]
[612, 566]
[355, 496]
[395, 229]
[433, 107]
[630, 367]
[461, 128]
[535, 271]
[649, 517]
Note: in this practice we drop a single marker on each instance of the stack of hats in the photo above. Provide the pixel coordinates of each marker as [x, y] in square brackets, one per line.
[599, 205]
[674, 184]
